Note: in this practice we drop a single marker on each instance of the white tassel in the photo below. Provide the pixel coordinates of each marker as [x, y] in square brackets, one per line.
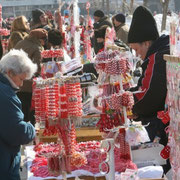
[77, 33]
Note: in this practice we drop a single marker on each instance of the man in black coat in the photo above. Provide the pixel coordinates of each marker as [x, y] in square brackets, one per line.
[150, 92]
[99, 20]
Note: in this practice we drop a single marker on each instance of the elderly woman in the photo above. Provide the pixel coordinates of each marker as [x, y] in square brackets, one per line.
[15, 67]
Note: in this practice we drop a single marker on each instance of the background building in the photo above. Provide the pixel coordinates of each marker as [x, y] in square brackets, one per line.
[25, 7]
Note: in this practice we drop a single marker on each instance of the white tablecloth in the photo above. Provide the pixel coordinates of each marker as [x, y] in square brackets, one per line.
[145, 172]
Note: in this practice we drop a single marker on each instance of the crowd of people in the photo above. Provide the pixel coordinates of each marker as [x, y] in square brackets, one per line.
[23, 61]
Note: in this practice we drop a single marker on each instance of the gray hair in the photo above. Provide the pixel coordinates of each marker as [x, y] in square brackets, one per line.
[18, 62]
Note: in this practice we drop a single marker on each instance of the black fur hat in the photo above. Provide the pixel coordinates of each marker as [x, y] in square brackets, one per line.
[143, 26]
[99, 13]
[120, 18]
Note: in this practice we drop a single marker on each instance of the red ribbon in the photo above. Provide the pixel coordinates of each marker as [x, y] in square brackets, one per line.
[164, 116]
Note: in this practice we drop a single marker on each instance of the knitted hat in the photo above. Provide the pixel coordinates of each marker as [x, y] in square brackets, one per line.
[39, 33]
[99, 13]
[120, 18]
[36, 15]
[143, 26]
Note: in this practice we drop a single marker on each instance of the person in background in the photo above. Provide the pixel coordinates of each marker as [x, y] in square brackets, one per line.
[39, 20]
[33, 46]
[50, 66]
[15, 67]
[66, 17]
[119, 22]
[54, 41]
[9, 21]
[99, 20]
[100, 37]
[55, 38]
[56, 19]
[151, 90]
[82, 21]
[19, 30]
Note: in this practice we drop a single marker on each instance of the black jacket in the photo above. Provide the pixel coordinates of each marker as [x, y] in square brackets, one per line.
[103, 21]
[151, 87]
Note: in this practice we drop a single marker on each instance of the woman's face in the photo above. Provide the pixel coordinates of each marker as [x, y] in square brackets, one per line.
[43, 19]
[26, 24]
[17, 78]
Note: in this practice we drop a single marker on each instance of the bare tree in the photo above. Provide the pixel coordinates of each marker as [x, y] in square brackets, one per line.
[117, 6]
[103, 4]
[165, 4]
[145, 3]
[124, 6]
[131, 6]
[108, 8]
[128, 7]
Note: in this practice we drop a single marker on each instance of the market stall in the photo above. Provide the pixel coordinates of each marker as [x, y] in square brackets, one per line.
[59, 110]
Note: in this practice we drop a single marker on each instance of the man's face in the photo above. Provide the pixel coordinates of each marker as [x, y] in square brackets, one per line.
[116, 23]
[140, 49]
[43, 18]
[96, 19]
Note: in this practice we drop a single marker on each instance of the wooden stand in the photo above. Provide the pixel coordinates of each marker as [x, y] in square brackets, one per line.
[82, 134]
[172, 58]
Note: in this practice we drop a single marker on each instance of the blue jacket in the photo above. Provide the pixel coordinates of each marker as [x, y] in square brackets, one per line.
[14, 132]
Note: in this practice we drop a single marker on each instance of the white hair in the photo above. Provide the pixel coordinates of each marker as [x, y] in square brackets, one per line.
[18, 62]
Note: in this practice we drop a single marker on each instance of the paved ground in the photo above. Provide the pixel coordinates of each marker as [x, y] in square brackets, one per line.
[23, 174]
[23, 171]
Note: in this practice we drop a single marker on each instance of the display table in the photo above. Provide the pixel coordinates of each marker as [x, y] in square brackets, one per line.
[144, 173]
[82, 134]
